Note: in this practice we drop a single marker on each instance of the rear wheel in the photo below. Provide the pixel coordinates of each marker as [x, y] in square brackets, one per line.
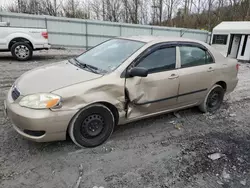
[22, 51]
[213, 99]
[92, 126]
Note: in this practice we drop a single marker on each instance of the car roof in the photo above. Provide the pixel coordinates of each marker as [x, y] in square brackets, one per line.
[158, 39]
[148, 39]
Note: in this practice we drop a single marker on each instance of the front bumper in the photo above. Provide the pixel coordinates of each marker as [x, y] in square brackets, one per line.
[52, 124]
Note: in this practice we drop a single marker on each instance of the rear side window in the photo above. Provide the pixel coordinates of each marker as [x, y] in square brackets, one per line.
[159, 60]
[194, 56]
[220, 39]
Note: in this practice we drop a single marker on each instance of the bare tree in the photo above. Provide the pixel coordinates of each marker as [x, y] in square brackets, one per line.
[131, 10]
[113, 10]
[155, 13]
[51, 7]
[23, 6]
[145, 12]
[135, 15]
[209, 13]
[182, 13]
[186, 7]
[171, 6]
[103, 10]
[248, 9]
[96, 7]
[126, 16]
[244, 10]
[75, 9]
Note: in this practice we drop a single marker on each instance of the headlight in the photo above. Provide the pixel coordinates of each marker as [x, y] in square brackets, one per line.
[40, 101]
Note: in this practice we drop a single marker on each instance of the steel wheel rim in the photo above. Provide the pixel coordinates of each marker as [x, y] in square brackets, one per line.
[22, 51]
[92, 126]
[213, 99]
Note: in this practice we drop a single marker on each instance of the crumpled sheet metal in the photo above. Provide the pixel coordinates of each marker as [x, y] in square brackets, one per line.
[86, 93]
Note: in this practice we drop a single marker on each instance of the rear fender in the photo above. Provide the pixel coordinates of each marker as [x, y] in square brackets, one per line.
[19, 35]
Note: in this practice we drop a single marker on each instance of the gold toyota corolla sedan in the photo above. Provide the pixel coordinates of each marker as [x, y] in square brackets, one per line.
[119, 81]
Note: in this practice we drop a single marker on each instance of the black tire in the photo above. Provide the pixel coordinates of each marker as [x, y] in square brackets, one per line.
[22, 51]
[213, 99]
[92, 126]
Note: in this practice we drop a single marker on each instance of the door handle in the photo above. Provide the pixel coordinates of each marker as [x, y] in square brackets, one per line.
[210, 69]
[173, 76]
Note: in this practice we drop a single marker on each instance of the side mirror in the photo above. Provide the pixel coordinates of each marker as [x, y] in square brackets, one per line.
[138, 71]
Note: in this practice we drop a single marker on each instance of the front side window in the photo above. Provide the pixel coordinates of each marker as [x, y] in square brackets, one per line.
[194, 56]
[220, 39]
[109, 55]
[159, 60]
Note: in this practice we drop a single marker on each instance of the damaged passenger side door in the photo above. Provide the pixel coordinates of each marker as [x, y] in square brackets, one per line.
[157, 91]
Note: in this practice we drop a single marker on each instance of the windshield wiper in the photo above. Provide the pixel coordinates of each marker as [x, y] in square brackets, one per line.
[84, 65]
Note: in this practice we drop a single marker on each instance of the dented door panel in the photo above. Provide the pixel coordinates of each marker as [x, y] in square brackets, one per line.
[152, 94]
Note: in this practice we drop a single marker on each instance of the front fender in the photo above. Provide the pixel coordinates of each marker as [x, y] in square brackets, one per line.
[79, 96]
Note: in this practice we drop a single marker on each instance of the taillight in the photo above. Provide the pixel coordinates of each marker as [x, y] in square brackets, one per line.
[45, 35]
[237, 66]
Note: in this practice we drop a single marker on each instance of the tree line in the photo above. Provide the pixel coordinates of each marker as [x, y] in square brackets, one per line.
[198, 14]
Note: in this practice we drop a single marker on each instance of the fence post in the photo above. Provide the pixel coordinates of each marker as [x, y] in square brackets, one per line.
[152, 30]
[120, 29]
[209, 37]
[46, 24]
[86, 32]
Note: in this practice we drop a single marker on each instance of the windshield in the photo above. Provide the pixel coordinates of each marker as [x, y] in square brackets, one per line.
[109, 55]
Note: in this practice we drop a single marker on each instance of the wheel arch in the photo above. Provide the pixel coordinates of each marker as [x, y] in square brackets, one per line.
[19, 39]
[110, 106]
[222, 84]
[202, 106]
[113, 109]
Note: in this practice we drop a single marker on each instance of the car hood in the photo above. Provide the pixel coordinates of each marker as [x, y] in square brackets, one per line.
[52, 77]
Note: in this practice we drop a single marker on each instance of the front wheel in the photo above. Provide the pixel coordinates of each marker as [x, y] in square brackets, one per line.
[92, 126]
[22, 51]
[213, 99]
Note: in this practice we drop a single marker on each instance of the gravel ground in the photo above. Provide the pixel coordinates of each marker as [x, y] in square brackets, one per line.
[165, 151]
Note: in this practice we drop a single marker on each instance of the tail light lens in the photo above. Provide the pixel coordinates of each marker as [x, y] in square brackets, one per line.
[237, 66]
[45, 35]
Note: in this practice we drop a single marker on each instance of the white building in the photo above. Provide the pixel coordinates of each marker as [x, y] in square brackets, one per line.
[232, 39]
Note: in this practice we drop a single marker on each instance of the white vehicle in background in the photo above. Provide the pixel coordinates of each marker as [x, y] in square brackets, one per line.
[21, 42]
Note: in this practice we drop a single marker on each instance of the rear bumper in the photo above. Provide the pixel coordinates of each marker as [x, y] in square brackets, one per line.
[42, 46]
[231, 85]
[47, 46]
